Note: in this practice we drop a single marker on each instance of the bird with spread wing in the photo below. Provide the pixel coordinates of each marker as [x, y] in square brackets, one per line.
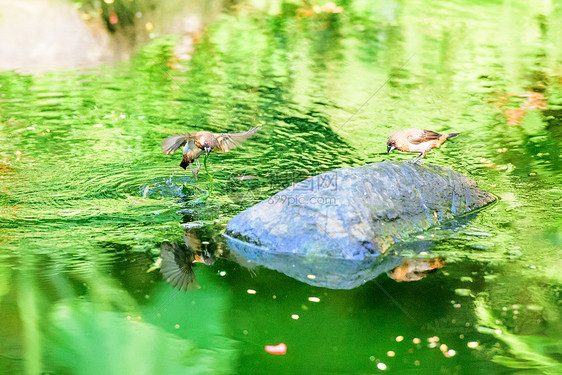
[194, 144]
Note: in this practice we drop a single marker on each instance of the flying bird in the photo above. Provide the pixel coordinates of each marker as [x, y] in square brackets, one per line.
[194, 144]
[416, 140]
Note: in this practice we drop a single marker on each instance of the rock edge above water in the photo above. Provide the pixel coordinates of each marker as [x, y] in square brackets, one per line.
[356, 213]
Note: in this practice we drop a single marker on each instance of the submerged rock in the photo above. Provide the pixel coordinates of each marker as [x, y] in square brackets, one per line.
[353, 214]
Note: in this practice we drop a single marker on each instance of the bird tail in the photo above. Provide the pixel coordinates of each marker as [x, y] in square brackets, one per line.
[184, 164]
[452, 135]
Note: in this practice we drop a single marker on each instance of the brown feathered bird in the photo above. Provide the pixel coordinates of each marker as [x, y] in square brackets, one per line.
[197, 143]
[416, 140]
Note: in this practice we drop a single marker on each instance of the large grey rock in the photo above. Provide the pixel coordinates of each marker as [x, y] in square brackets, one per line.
[354, 213]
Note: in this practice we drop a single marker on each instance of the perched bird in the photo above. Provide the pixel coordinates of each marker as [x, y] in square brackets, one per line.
[416, 140]
[197, 143]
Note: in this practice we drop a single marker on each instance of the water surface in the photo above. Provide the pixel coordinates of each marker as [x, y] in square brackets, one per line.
[87, 198]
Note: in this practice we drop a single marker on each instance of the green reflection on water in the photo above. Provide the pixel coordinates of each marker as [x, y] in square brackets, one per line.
[87, 203]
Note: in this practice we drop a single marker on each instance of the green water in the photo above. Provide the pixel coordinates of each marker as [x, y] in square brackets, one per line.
[87, 197]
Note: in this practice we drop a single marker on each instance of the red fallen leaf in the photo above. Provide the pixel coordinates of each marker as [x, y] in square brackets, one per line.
[279, 349]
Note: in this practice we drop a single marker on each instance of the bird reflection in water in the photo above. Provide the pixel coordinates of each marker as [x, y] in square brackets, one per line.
[177, 265]
[415, 269]
[179, 259]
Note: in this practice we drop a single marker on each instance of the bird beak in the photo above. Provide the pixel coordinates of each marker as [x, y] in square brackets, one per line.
[389, 148]
[207, 150]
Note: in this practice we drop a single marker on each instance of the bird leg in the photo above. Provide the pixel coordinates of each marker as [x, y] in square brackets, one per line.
[192, 171]
[198, 165]
[417, 158]
[208, 174]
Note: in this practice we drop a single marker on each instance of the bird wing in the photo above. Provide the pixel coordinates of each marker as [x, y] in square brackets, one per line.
[177, 266]
[171, 144]
[423, 136]
[191, 151]
[227, 141]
